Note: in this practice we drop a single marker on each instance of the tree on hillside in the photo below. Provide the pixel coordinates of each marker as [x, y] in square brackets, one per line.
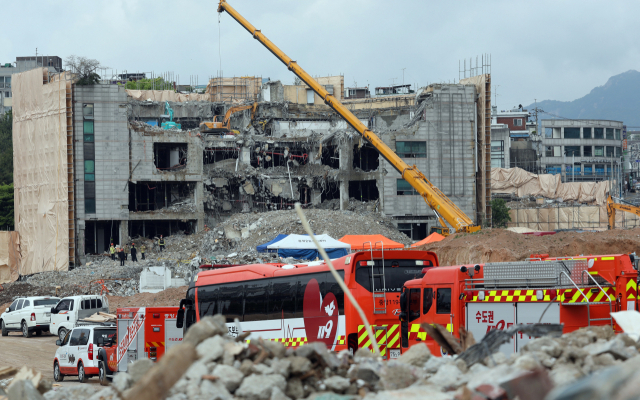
[85, 68]
[6, 207]
[6, 148]
[500, 213]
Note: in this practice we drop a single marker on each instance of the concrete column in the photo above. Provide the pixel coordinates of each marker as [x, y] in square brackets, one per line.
[124, 231]
[344, 194]
[199, 198]
[245, 155]
[346, 164]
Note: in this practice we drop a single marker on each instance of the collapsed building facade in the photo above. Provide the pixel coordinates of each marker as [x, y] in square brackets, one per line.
[133, 178]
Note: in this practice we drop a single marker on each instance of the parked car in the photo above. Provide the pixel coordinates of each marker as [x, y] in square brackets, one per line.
[70, 310]
[77, 354]
[28, 315]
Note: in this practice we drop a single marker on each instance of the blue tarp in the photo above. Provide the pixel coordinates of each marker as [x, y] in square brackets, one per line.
[311, 254]
[263, 247]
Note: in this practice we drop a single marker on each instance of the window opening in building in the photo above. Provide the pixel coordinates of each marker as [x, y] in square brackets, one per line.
[411, 149]
[89, 170]
[617, 134]
[363, 190]
[610, 151]
[414, 230]
[609, 134]
[170, 156]
[330, 156]
[586, 133]
[87, 110]
[587, 151]
[598, 133]
[572, 151]
[365, 158]
[404, 188]
[598, 151]
[517, 122]
[572, 133]
[330, 192]
[87, 130]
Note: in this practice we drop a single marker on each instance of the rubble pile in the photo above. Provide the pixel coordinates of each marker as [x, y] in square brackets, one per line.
[242, 232]
[591, 363]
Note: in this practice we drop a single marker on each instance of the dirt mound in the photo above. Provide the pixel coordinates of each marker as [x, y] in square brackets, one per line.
[169, 298]
[496, 245]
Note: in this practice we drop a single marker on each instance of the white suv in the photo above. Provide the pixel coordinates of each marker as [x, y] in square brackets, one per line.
[70, 310]
[78, 352]
[28, 315]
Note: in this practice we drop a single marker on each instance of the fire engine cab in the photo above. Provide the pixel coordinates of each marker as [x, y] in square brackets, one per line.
[573, 291]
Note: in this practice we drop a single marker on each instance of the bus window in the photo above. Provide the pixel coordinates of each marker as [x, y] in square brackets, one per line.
[443, 302]
[414, 304]
[207, 300]
[427, 300]
[396, 273]
[255, 300]
[282, 297]
[230, 301]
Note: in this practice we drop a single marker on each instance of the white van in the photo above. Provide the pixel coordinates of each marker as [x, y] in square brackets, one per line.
[70, 310]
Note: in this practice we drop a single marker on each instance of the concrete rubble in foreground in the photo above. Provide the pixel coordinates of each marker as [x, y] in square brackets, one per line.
[591, 363]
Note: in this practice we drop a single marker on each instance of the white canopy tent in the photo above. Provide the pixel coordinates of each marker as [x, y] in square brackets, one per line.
[302, 247]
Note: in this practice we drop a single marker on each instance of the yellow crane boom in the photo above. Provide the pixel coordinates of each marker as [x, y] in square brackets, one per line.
[442, 206]
[612, 207]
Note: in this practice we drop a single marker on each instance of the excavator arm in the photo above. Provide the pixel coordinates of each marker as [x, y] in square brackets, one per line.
[218, 126]
[612, 207]
[444, 208]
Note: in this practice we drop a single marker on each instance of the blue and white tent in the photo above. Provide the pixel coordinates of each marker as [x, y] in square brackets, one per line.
[263, 247]
[302, 247]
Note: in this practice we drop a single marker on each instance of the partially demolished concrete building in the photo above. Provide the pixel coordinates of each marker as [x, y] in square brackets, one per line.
[133, 178]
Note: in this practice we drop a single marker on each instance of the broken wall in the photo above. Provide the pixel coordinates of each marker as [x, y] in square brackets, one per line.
[41, 190]
[448, 133]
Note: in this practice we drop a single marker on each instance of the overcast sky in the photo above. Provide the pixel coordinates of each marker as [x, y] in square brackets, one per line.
[545, 50]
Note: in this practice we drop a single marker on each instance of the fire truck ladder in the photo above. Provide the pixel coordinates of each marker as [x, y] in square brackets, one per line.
[589, 303]
[377, 294]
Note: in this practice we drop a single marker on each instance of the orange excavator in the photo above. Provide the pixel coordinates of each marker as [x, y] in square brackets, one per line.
[613, 206]
[216, 126]
[446, 211]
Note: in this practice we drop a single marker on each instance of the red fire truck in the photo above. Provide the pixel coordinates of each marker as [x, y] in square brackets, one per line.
[296, 304]
[573, 291]
[143, 332]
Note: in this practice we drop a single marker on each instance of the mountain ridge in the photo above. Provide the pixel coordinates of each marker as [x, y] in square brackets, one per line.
[618, 100]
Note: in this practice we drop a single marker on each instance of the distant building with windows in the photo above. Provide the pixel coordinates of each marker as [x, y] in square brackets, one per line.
[52, 63]
[517, 120]
[581, 149]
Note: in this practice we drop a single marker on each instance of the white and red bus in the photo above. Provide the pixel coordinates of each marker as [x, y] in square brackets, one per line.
[296, 304]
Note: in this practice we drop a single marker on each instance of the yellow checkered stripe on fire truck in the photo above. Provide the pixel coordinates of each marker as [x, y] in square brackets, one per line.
[387, 338]
[632, 289]
[594, 296]
[416, 332]
[497, 296]
[154, 344]
[297, 342]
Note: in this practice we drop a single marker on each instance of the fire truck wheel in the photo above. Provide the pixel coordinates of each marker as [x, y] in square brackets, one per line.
[61, 334]
[57, 376]
[102, 374]
[82, 378]
[25, 330]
